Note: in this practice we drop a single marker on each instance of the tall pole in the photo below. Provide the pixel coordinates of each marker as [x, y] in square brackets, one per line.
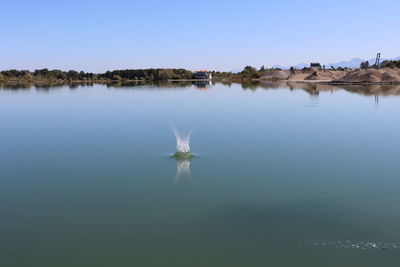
[377, 60]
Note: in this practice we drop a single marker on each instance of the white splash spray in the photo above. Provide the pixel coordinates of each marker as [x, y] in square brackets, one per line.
[182, 141]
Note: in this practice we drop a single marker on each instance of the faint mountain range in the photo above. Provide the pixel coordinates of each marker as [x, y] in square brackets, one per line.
[353, 63]
[278, 67]
[236, 70]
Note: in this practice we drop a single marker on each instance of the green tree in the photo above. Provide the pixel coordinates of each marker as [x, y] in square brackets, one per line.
[116, 77]
[27, 75]
[364, 65]
[73, 75]
[165, 74]
[250, 72]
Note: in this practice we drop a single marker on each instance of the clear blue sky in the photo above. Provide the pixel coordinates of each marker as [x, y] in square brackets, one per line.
[222, 35]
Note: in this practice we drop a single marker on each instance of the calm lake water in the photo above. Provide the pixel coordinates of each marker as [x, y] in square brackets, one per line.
[298, 175]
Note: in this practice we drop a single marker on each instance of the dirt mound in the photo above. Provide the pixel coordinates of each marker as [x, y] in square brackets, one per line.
[324, 75]
[384, 75]
[309, 70]
[312, 74]
[298, 75]
[275, 75]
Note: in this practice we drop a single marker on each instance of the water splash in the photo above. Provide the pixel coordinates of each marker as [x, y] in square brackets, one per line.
[182, 144]
[348, 244]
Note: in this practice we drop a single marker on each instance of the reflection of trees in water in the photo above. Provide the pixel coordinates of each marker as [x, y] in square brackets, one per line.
[312, 88]
[182, 171]
[111, 84]
[16, 86]
[143, 85]
[48, 87]
[42, 86]
[80, 84]
[251, 85]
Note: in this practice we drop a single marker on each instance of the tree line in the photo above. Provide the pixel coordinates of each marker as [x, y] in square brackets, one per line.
[159, 74]
[248, 73]
[59, 76]
[72, 75]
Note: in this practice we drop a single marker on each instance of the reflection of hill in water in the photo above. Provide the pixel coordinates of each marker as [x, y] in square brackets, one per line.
[254, 85]
[311, 87]
[383, 90]
[368, 89]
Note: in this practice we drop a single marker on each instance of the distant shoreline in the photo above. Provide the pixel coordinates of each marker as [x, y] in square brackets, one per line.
[389, 74]
[125, 81]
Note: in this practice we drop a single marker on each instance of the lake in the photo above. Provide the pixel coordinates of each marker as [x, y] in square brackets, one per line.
[283, 175]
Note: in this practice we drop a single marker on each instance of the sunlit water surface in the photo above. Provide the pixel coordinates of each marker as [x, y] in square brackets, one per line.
[283, 175]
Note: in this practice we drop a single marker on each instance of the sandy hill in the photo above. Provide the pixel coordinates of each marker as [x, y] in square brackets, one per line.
[383, 75]
[275, 75]
[313, 74]
[326, 75]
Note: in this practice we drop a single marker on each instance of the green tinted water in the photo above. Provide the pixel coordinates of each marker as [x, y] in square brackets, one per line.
[284, 175]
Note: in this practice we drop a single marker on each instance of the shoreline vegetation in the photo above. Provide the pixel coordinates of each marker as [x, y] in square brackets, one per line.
[388, 73]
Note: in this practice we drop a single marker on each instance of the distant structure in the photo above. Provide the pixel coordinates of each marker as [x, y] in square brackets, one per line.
[377, 60]
[315, 65]
[202, 75]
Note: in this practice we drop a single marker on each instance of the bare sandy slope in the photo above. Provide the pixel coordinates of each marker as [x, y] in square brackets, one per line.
[298, 76]
[316, 75]
[326, 75]
[275, 75]
[383, 75]
[307, 74]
